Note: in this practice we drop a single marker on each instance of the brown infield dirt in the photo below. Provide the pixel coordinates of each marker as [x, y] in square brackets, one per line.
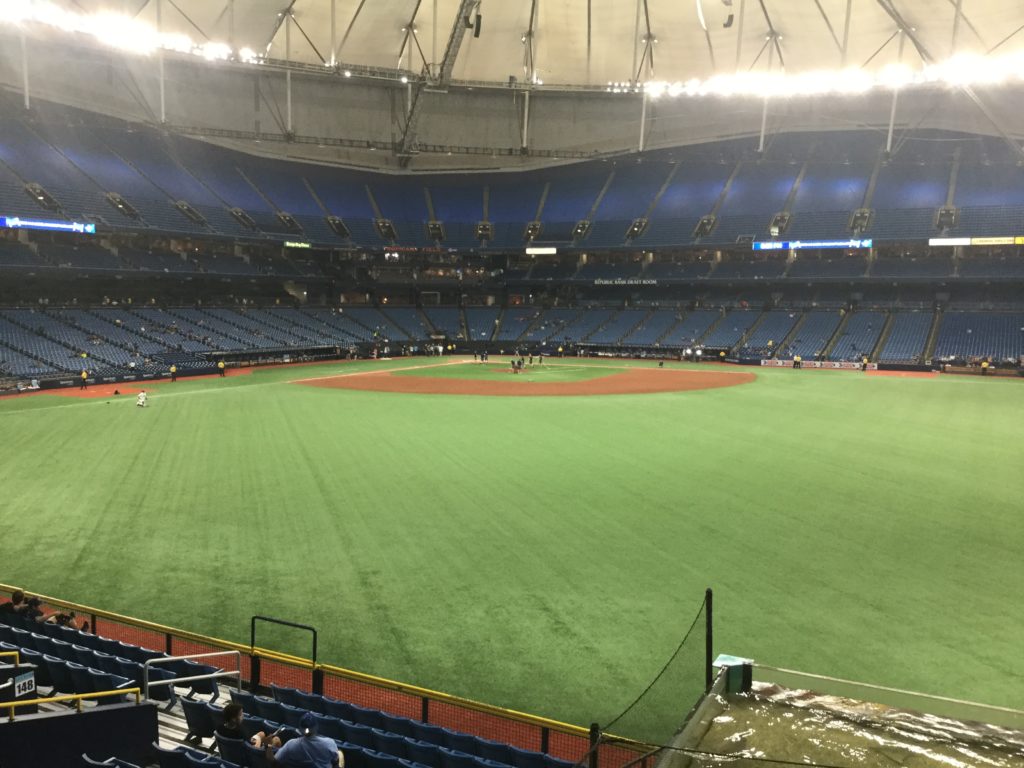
[633, 381]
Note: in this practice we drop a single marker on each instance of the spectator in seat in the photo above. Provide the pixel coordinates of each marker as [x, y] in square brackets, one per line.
[309, 750]
[67, 620]
[231, 728]
[16, 604]
[32, 610]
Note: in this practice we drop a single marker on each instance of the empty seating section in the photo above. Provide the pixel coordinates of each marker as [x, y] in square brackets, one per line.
[189, 336]
[730, 329]
[859, 336]
[907, 337]
[34, 160]
[481, 322]
[760, 269]
[583, 325]
[23, 331]
[618, 326]
[995, 335]
[410, 321]
[78, 157]
[691, 328]
[380, 326]
[925, 267]
[336, 321]
[515, 321]
[551, 325]
[817, 269]
[446, 320]
[771, 329]
[652, 328]
[155, 260]
[82, 256]
[688, 270]
[811, 339]
[15, 254]
[250, 330]
[993, 266]
[374, 739]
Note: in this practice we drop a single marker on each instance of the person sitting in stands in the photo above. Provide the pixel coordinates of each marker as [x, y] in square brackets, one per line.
[231, 728]
[308, 751]
[67, 620]
[15, 605]
[32, 610]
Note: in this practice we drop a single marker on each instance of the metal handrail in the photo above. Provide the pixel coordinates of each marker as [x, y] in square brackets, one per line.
[78, 698]
[237, 673]
[15, 654]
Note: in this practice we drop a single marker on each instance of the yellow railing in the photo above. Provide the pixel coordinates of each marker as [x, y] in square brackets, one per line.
[298, 661]
[78, 698]
[15, 654]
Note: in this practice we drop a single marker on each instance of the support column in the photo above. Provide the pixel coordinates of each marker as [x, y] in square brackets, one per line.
[24, 72]
[895, 98]
[643, 119]
[764, 125]
[526, 119]
[288, 72]
[160, 62]
[334, 31]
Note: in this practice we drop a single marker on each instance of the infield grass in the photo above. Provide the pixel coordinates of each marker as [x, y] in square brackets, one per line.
[544, 554]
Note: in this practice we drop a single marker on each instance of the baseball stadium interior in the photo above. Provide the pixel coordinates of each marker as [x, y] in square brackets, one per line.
[816, 197]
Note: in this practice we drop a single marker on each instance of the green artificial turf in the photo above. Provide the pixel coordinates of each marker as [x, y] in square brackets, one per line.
[545, 554]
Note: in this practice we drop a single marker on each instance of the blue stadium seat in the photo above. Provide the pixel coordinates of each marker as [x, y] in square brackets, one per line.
[311, 702]
[268, 709]
[433, 734]
[331, 727]
[127, 668]
[484, 763]
[29, 656]
[199, 718]
[246, 699]
[82, 655]
[360, 735]
[388, 743]
[423, 752]
[285, 695]
[86, 760]
[231, 749]
[365, 716]
[378, 760]
[256, 757]
[461, 742]
[291, 715]
[252, 725]
[450, 759]
[394, 724]
[497, 751]
[170, 758]
[339, 709]
[59, 674]
[525, 759]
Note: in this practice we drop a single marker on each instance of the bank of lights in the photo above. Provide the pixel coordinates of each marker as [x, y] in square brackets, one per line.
[117, 30]
[959, 71]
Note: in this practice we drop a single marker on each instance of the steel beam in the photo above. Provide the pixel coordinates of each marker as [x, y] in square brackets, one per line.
[24, 72]
[444, 74]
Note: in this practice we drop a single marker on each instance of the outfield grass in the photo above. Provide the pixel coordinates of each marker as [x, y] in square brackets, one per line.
[545, 553]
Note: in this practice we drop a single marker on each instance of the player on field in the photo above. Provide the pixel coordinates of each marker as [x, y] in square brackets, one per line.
[142, 399]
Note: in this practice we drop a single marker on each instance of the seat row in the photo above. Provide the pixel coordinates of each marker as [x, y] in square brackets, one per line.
[76, 672]
[399, 736]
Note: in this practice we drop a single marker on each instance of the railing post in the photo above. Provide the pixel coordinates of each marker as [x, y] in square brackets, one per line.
[424, 709]
[168, 643]
[709, 660]
[318, 681]
[92, 624]
[545, 739]
[595, 738]
[254, 672]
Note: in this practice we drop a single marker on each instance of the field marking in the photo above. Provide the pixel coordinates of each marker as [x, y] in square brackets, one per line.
[367, 373]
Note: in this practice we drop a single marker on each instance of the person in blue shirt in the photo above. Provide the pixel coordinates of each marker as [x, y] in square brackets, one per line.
[309, 750]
